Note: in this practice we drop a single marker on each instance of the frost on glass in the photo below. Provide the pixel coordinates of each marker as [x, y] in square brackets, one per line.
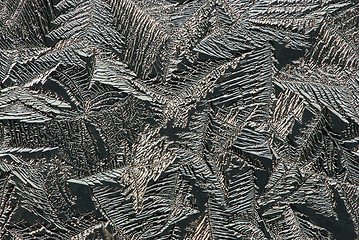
[192, 119]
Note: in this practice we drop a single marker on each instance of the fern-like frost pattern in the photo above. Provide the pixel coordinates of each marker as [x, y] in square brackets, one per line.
[179, 119]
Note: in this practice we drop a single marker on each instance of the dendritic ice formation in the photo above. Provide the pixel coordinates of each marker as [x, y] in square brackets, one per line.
[179, 119]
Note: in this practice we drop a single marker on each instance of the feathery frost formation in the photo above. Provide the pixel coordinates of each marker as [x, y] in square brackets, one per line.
[179, 119]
